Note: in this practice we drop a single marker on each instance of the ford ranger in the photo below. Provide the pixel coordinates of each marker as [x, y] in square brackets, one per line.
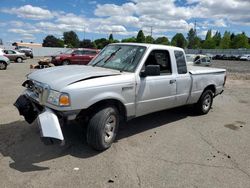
[123, 82]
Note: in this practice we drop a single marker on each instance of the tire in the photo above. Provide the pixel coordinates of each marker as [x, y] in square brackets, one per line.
[19, 60]
[3, 65]
[102, 128]
[205, 102]
[65, 62]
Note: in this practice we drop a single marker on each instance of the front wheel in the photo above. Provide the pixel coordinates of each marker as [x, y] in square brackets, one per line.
[19, 60]
[65, 62]
[205, 102]
[102, 128]
[3, 66]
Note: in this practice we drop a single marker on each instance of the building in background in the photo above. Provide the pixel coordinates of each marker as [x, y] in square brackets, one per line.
[26, 44]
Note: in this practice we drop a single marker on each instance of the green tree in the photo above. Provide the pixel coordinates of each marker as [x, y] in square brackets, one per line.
[162, 40]
[94, 45]
[111, 38]
[71, 39]
[217, 38]
[86, 43]
[132, 39]
[226, 40]
[52, 41]
[149, 39]
[140, 37]
[179, 40]
[209, 34]
[240, 41]
[209, 42]
[101, 43]
[194, 42]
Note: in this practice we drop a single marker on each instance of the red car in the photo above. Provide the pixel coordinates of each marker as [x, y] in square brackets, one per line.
[80, 56]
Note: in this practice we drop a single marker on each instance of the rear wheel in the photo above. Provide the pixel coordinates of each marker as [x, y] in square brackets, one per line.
[19, 60]
[65, 62]
[3, 65]
[205, 102]
[102, 128]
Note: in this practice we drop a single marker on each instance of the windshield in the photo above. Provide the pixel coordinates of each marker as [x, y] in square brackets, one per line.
[119, 57]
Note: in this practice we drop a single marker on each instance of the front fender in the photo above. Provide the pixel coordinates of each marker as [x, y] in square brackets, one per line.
[105, 96]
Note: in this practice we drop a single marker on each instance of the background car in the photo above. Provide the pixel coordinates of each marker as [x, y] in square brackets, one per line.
[198, 59]
[14, 55]
[245, 57]
[4, 62]
[26, 50]
[80, 56]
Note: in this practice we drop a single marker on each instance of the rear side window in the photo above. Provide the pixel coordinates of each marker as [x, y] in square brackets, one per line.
[181, 62]
[90, 52]
[77, 52]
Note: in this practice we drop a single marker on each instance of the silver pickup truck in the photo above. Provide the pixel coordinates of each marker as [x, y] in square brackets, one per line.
[123, 82]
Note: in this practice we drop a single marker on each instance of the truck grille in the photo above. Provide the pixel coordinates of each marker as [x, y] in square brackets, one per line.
[38, 91]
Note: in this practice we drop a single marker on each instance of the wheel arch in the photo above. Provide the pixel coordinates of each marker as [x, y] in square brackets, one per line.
[66, 60]
[87, 113]
[210, 87]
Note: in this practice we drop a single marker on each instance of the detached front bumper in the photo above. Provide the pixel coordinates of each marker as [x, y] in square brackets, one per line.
[47, 119]
[49, 125]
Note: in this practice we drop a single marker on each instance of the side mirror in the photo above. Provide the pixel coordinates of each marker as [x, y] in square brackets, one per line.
[73, 54]
[151, 70]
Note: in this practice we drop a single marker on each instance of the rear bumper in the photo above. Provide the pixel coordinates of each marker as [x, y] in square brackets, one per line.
[219, 93]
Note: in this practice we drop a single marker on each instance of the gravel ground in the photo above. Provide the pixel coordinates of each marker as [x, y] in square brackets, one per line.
[236, 69]
[171, 148]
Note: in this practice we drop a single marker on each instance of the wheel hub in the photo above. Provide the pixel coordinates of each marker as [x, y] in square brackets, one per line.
[207, 102]
[110, 128]
[2, 66]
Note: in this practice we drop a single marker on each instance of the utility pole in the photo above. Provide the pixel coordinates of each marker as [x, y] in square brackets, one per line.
[195, 25]
[84, 31]
[151, 33]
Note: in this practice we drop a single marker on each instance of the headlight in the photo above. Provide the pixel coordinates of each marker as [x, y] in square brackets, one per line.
[58, 99]
[58, 58]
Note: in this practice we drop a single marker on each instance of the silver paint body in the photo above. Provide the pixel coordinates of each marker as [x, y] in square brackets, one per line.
[139, 95]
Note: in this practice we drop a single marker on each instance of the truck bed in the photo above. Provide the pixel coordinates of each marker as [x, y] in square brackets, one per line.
[204, 70]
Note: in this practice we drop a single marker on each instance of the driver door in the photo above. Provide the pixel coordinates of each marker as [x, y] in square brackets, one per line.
[156, 93]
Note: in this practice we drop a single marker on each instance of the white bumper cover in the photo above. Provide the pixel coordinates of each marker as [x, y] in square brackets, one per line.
[49, 125]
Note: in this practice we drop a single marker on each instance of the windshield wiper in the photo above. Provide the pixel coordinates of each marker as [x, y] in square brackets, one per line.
[109, 57]
[98, 62]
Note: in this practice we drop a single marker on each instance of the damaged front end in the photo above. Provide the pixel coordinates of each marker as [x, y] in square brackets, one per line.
[31, 106]
[26, 108]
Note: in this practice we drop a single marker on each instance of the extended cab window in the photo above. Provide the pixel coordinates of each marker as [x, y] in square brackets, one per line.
[161, 58]
[181, 62]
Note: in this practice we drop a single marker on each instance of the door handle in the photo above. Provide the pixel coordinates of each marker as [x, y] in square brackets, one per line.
[172, 81]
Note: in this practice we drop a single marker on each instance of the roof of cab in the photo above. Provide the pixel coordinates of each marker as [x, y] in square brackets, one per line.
[150, 45]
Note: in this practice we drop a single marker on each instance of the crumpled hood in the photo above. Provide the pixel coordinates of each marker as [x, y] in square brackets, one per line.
[59, 77]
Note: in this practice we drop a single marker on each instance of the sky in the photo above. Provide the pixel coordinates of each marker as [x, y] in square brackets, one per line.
[33, 20]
